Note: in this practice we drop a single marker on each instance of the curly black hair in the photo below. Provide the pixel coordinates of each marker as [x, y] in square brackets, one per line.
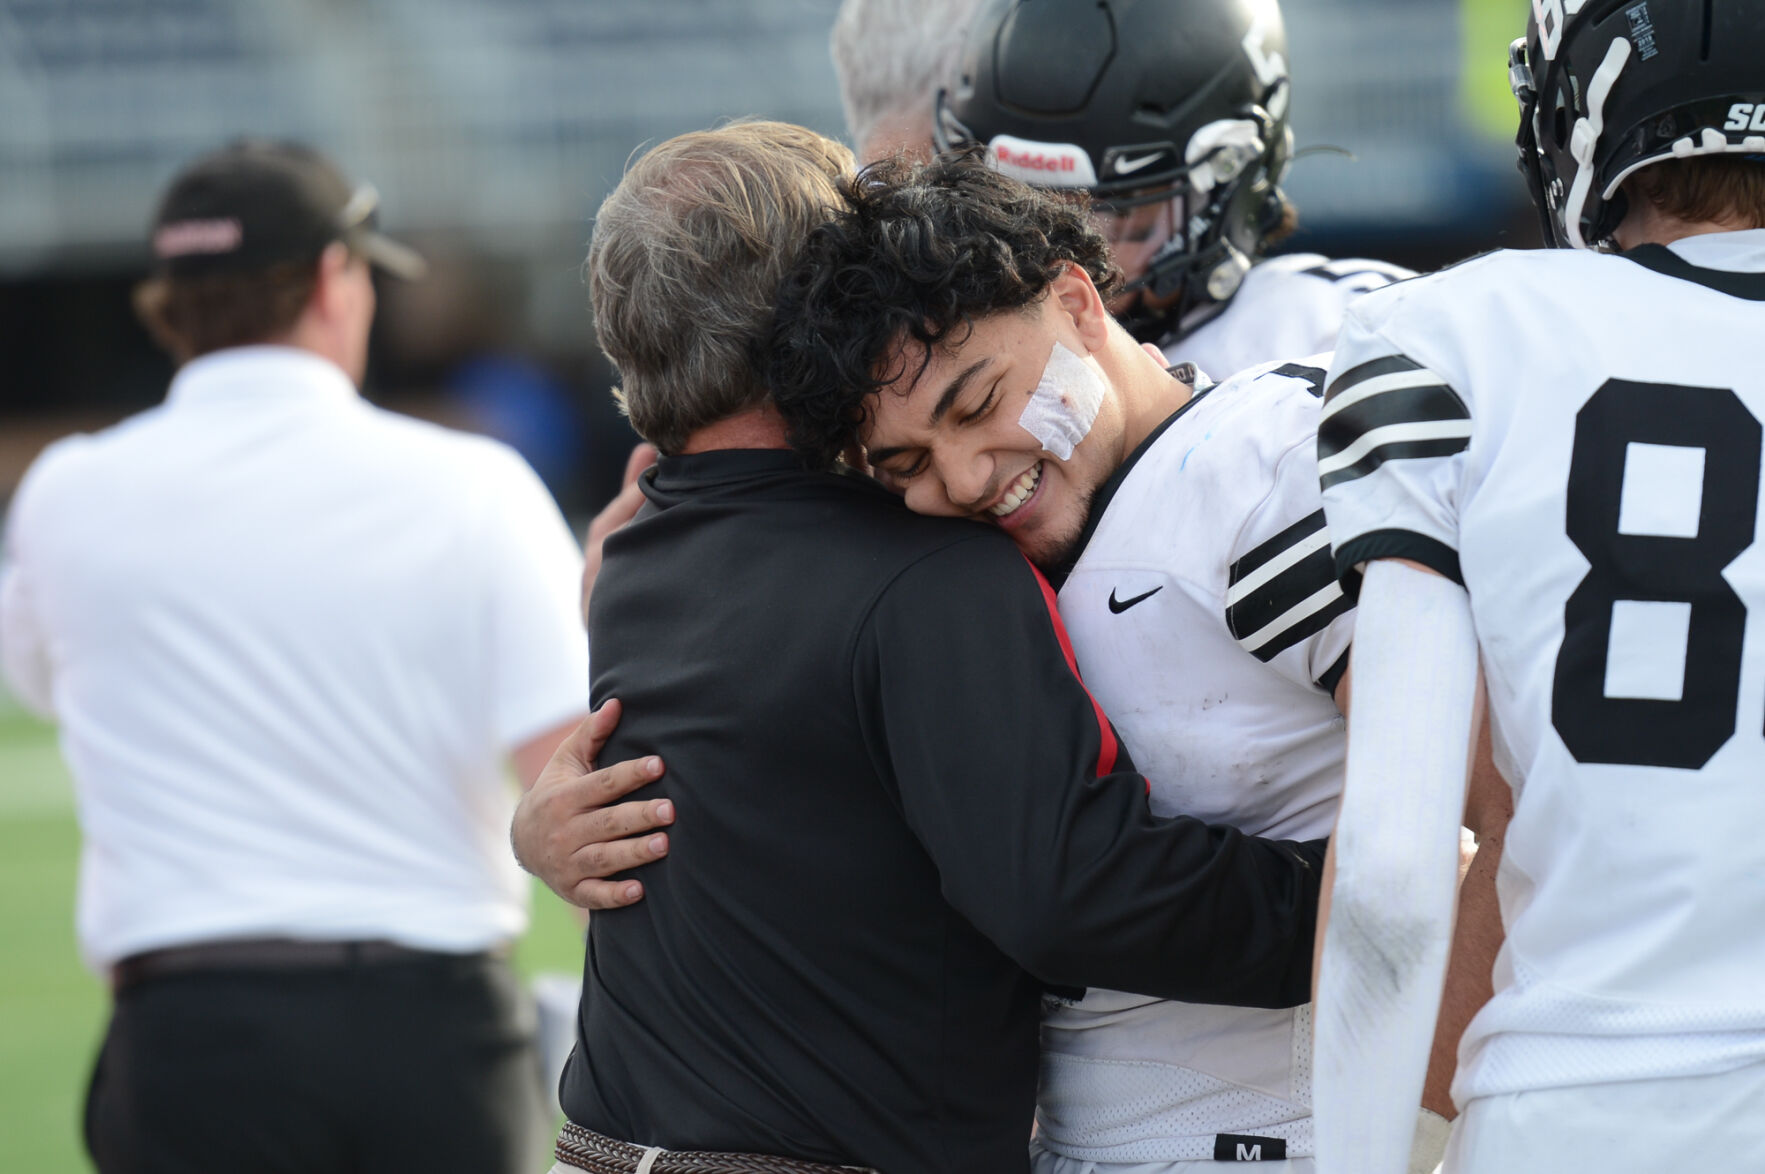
[919, 254]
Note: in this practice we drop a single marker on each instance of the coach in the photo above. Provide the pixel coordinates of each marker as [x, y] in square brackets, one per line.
[292, 642]
[906, 816]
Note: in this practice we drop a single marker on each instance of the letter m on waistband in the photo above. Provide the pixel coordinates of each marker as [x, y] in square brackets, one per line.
[1242, 1147]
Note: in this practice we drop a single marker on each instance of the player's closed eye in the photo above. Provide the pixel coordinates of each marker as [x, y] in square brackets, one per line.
[893, 474]
[985, 409]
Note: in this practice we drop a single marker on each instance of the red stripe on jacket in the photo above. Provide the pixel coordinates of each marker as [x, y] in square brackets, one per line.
[1107, 755]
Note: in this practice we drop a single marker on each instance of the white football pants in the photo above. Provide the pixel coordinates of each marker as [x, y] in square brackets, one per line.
[1633, 1127]
[1045, 1162]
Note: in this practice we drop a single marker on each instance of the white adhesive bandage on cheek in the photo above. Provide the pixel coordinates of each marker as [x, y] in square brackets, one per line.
[1064, 405]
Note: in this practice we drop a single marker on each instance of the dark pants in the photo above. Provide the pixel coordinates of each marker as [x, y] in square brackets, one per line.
[423, 1065]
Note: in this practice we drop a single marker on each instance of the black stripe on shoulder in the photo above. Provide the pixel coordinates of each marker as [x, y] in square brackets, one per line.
[1375, 544]
[1347, 270]
[1356, 409]
[1313, 376]
[1269, 601]
[1250, 615]
[1306, 625]
[1311, 625]
[1400, 450]
[1263, 552]
[1403, 405]
[1371, 369]
[1666, 262]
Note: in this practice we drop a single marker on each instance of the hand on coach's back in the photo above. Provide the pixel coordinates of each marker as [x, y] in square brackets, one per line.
[566, 834]
[614, 515]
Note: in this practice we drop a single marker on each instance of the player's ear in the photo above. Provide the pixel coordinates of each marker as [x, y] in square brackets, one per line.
[330, 291]
[1076, 295]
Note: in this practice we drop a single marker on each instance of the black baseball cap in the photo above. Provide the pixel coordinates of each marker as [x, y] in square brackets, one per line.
[257, 203]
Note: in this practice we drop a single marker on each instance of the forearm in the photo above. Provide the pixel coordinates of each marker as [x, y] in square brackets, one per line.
[1200, 914]
[1477, 932]
[1477, 936]
[1386, 944]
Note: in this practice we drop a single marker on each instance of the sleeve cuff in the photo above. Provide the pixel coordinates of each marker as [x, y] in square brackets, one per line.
[1406, 544]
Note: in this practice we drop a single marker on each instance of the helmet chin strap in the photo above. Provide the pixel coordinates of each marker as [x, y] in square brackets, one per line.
[1199, 278]
[1524, 83]
[1204, 283]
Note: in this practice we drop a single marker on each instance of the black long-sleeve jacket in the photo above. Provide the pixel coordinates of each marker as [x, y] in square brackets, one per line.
[900, 815]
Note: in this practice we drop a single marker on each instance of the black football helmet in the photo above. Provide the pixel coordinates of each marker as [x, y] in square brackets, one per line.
[1609, 86]
[1179, 102]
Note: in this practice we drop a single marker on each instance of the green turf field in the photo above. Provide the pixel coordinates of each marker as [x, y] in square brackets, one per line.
[51, 1009]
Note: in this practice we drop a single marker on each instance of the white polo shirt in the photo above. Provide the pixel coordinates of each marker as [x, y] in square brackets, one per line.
[290, 640]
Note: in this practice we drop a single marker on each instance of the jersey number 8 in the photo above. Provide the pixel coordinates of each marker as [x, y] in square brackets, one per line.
[1655, 568]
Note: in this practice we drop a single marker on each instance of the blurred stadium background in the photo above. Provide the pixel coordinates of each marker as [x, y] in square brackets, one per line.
[493, 128]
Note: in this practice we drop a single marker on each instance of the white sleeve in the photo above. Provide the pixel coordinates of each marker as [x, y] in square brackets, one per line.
[1396, 853]
[24, 646]
[1284, 605]
[24, 655]
[1392, 440]
[539, 652]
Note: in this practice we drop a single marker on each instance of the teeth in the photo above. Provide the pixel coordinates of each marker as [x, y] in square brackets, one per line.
[1019, 492]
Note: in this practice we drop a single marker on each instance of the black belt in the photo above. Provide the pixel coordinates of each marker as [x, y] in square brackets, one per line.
[584, 1149]
[268, 954]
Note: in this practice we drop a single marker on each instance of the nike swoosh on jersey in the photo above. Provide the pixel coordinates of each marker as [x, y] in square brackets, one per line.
[1284, 590]
[1119, 606]
[1388, 409]
[1124, 166]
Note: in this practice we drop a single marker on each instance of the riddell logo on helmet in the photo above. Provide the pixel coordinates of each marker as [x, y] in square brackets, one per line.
[1060, 165]
[1035, 162]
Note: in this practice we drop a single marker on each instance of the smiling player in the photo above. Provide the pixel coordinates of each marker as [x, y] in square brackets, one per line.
[954, 321]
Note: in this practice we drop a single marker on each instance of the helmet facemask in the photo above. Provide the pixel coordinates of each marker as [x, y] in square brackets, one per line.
[1208, 228]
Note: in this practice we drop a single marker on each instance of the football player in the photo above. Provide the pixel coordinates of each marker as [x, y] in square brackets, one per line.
[1172, 114]
[1546, 465]
[954, 322]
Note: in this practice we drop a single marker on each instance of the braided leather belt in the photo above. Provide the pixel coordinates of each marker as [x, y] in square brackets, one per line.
[583, 1149]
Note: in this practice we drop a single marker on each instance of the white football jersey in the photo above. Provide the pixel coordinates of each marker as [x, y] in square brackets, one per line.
[1576, 438]
[1208, 623]
[1287, 306]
